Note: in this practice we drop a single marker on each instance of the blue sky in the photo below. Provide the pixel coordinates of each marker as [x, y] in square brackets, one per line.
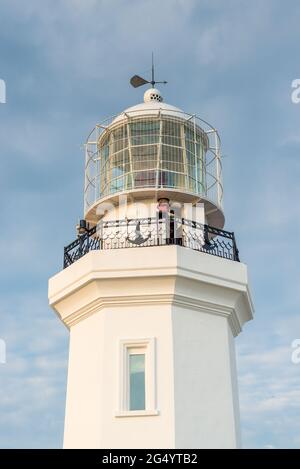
[66, 65]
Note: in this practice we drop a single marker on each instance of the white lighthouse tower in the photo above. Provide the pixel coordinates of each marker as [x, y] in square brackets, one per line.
[152, 289]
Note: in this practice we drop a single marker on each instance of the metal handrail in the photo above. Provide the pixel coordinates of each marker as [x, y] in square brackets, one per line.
[153, 231]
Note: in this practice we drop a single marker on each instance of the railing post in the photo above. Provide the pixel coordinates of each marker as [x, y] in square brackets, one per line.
[80, 246]
[87, 242]
[180, 230]
[205, 234]
[236, 256]
[64, 263]
[101, 235]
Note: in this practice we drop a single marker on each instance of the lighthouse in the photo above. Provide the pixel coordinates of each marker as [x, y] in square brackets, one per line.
[153, 291]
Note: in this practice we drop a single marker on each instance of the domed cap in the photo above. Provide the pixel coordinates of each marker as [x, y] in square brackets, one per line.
[151, 95]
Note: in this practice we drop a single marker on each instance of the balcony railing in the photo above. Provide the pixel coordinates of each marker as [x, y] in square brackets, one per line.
[144, 232]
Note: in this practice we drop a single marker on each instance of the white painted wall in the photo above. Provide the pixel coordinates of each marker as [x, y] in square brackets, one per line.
[93, 381]
[192, 304]
[204, 383]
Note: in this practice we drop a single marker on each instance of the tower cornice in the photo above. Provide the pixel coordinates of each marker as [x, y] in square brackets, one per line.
[169, 275]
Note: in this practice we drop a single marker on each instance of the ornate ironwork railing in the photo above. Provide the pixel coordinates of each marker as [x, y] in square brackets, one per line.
[143, 232]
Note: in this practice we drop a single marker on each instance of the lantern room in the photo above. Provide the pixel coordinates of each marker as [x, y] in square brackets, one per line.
[154, 151]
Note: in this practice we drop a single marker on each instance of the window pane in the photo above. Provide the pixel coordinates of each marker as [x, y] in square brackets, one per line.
[137, 381]
[144, 132]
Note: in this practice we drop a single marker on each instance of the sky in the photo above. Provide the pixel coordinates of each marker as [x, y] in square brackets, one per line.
[66, 65]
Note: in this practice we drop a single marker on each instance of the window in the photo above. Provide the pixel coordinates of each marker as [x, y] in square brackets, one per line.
[137, 378]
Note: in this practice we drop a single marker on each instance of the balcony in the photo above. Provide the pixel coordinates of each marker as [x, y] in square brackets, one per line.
[147, 232]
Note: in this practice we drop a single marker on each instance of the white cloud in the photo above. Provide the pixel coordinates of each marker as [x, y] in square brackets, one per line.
[34, 376]
[269, 384]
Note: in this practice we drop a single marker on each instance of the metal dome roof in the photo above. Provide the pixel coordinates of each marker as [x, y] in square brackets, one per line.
[152, 106]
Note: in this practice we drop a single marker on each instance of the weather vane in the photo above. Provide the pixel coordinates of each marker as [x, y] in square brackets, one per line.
[137, 81]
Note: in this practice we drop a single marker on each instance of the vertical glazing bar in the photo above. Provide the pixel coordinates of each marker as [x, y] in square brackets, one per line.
[159, 151]
[129, 151]
[85, 203]
[217, 155]
[185, 162]
[95, 155]
[111, 162]
[99, 154]
[195, 151]
[203, 169]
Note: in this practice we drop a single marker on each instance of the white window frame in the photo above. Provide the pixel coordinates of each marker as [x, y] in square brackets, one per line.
[144, 346]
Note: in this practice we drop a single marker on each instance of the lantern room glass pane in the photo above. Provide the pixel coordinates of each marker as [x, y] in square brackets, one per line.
[144, 132]
[144, 157]
[137, 391]
[118, 139]
[171, 133]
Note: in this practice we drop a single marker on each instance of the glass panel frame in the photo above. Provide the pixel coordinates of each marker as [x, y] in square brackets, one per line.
[128, 347]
